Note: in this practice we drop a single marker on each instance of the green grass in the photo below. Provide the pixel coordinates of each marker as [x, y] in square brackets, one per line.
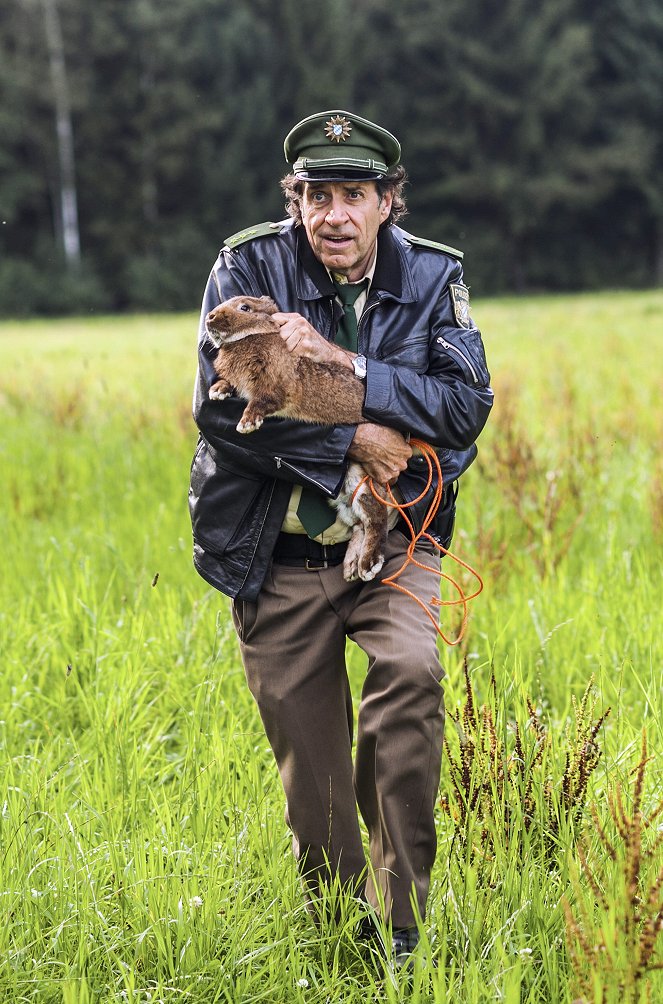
[143, 853]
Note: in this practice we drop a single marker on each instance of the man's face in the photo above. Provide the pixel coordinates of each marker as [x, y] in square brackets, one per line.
[342, 220]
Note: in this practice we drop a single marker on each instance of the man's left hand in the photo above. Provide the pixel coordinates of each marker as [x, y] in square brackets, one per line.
[301, 338]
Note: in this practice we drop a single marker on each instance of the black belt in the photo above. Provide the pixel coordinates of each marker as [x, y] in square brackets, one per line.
[299, 551]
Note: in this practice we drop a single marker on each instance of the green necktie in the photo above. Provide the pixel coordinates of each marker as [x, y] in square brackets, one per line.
[314, 511]
[348, 293]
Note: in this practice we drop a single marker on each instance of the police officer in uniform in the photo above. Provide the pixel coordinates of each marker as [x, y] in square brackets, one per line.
[355, 289]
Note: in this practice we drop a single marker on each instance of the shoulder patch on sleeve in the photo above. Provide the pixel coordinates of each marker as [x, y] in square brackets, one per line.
[434, 246]
[261, 230]
[460, 298]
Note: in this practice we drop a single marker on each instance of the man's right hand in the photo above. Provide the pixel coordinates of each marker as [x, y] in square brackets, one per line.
[382, 451]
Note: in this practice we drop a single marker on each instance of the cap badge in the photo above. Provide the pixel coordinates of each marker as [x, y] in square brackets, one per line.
[337, 129]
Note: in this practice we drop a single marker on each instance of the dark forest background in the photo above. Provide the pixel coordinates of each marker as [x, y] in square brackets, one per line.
[135, 135]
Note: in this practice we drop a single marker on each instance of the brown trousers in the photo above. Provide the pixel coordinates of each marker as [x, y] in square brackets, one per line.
[292, 643]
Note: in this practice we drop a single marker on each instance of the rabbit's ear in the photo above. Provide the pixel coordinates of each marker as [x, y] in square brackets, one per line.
[268, 305]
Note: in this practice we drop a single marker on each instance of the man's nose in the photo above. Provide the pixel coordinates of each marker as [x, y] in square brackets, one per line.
[336, 214]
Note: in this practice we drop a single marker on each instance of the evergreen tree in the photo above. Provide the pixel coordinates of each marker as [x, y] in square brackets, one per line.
[505, 127]
[628, 40]
[24, 190]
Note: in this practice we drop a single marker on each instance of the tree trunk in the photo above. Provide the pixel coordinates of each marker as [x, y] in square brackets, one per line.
[68, 201]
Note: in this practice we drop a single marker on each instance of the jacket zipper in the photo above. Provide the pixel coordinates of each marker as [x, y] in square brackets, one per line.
[367, 309]
[447, 345]
[280, 462]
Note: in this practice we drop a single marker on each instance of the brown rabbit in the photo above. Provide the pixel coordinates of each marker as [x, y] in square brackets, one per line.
[254, 363]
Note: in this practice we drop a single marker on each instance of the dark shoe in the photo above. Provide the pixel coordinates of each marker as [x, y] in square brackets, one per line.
[404, 941]
[367, 932]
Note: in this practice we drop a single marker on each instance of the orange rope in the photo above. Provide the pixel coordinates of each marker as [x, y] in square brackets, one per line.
[431, 458]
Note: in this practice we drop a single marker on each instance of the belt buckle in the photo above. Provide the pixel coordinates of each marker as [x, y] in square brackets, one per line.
[315, 564]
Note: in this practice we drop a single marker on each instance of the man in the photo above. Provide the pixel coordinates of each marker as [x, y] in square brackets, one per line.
[265, 535]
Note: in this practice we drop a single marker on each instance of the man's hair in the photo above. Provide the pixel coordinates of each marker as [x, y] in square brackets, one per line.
[394, 182]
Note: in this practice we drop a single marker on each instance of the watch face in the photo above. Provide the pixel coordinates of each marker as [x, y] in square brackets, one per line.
[359, 363]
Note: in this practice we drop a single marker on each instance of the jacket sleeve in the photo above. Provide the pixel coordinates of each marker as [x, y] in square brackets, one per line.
[449, 403]
[292, 451]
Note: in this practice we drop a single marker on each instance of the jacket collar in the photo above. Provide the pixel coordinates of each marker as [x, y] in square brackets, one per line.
[392, 273]
[312, 278]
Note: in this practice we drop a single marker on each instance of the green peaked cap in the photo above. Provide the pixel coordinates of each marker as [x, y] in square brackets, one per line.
[339, 146]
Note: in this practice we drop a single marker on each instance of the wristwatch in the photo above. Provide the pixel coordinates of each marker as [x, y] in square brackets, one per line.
[359, 365]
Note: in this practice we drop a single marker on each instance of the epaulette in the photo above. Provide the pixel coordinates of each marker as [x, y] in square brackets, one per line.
[261, 230]
[434, 246]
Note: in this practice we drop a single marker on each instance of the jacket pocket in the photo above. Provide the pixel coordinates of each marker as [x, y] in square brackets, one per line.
[412, 483]
[443, 526]
[220, 502]
[412, 351]
[464, 348]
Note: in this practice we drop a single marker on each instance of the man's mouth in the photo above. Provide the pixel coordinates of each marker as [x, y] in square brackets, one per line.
[336, 238]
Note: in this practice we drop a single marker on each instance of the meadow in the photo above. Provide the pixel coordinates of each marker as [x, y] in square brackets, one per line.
[143, 851]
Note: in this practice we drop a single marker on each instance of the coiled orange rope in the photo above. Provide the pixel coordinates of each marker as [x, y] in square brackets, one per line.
[433, 462]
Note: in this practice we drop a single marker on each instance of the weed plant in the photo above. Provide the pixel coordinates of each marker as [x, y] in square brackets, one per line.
[616, 919]
[143, 850]
[504, 787]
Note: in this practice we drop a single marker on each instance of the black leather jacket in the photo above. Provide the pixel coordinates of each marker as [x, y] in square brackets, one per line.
[426, 376]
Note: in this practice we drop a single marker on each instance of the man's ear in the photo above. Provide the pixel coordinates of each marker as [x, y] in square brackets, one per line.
[385, 206]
